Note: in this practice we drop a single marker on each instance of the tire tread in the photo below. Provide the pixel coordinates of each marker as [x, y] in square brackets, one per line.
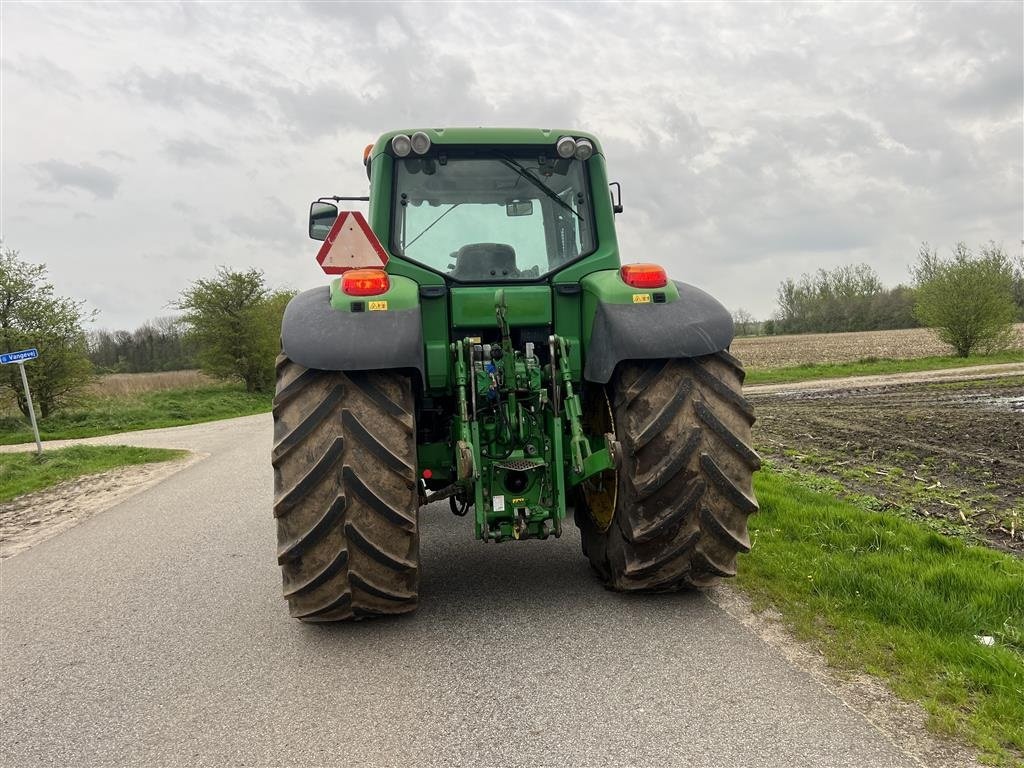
[348, 540]
[685, 481]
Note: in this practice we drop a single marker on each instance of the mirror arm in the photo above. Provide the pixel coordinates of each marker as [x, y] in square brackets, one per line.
[336, 198]
[616, 199]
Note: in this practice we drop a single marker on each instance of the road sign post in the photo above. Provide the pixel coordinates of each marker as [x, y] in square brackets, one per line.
[31, 409]
[19, 359]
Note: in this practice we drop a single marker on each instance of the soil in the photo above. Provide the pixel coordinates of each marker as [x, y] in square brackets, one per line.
[947, 449]
[902, 344]
[35, 517]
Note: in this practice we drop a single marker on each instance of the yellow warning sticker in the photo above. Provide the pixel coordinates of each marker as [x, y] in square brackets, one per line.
[641, 298]
[378, 306]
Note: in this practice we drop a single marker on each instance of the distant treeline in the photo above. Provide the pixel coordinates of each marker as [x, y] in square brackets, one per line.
[157, 345]
[847, 298]
[852, 297]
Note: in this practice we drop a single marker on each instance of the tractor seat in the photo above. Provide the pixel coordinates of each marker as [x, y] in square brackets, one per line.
[479, 261]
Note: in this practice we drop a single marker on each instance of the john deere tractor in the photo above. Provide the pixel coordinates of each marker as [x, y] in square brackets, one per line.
[483, 345]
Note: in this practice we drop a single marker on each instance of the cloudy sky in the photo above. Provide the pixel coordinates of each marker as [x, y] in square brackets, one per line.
[145, 144]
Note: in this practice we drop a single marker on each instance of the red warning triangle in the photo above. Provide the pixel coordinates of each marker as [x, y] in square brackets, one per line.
[351, 244]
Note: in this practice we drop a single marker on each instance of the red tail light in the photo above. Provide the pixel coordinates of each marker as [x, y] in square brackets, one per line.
[644, 276]
[365, 282]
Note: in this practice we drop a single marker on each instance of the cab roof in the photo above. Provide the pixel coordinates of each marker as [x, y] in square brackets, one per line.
[489, 136]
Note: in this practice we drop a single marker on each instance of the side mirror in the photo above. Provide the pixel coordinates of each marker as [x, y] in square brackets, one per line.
[616, 194]
[321, 218]
[519, 208]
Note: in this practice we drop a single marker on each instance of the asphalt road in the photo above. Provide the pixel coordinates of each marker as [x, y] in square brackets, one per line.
[155, 634]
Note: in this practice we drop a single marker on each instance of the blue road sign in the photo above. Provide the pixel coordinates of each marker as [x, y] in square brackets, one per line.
[18, 357]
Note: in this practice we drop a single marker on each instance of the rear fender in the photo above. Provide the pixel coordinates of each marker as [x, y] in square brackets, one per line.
[322, 328]
[637, 324]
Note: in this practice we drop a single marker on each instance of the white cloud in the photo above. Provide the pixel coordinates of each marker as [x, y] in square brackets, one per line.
[192, 151]
[181, 90]
[57, 175]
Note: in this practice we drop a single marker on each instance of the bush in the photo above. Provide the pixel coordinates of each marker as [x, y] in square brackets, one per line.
[967, 299]
[235, 320]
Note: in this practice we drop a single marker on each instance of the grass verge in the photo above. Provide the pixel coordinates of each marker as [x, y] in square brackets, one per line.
[146, 410]
[874, 366]
[22, 473]
[880, 594]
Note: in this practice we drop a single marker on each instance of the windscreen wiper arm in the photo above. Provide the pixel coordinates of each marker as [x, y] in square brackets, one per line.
[427, 228]
[522, 171]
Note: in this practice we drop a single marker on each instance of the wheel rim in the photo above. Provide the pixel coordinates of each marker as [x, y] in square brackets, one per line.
[601, 491]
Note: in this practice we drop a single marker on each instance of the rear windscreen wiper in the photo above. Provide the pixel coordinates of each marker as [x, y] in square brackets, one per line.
[525, 173]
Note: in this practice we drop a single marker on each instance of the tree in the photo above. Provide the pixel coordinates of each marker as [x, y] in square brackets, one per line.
[1018, 286]
[744, 322]
[32, 315]
[850, 297]
[235, 320]
[893, 308]
[841, 299]
[967, 299]
[156, 345]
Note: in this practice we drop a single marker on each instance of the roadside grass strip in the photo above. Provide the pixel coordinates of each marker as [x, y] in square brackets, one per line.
[148, 410]
[22, 473]
[942, 621]
[872, 366]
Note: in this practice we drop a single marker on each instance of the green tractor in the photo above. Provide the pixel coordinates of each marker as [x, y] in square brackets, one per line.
[483, 345]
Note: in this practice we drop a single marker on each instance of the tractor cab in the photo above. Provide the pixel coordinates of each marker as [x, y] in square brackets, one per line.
[505, 217]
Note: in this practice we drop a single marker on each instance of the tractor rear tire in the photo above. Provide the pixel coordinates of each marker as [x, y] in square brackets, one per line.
[345, 494]
[677, 513]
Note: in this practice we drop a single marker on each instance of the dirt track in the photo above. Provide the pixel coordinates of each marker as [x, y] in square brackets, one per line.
[944, 446]
[915, 377]
[35, 517]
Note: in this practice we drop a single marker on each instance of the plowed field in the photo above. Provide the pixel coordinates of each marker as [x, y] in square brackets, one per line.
[782, 351]
[948, 452]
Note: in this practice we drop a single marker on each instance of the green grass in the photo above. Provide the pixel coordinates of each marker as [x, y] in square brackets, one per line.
[881, 594]
[22, 473]
[149, 410]
[874, 366]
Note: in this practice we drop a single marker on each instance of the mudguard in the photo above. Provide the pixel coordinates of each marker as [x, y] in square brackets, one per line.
[695, 324]
[315, 335]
